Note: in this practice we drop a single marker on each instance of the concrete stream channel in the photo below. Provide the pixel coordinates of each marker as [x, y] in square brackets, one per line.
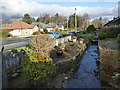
[87, 74]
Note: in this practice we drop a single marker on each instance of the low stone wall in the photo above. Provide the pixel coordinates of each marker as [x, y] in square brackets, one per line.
[62, 40]
[72, 63]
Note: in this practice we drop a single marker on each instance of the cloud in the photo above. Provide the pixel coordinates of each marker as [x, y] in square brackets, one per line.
[20, 7]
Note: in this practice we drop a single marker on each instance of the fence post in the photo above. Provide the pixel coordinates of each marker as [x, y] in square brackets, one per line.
[4, 76]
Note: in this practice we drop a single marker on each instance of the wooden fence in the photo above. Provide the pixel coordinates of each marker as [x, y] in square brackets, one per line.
[11, 60]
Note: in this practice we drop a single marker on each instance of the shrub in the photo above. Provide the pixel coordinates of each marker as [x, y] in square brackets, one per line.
[90, 28]
[60, 30]
[111, 31]
[37, 68]
[42, 32]
[102, 35]
[74, 37]
[57, 30]
[28, 47]
[118, 38]
[42, 43]
[35, 33]
[45, 31]
[62, 45]
[14, 50]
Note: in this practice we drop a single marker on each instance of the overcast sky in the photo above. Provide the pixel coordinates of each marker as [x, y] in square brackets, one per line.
[95, 8]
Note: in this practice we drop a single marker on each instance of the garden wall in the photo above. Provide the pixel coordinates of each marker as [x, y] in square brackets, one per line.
[72, 63]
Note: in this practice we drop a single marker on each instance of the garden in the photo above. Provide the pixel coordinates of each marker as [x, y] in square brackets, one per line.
[38, 66]
[109, 39]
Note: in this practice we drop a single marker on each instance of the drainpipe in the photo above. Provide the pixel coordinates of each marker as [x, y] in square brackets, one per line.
[21, 28]
[39, 27]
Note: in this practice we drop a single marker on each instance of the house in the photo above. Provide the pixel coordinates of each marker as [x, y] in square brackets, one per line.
[53, 25]
[19, 28]
[42, 26]
[114, 22]
[60, 27]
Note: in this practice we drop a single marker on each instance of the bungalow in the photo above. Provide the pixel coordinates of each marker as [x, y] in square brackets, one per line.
[114, 22]
[20, 28]
[42, 26]
[61, 27]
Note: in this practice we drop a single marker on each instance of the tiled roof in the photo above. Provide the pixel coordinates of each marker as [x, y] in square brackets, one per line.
[42, 25]
[6, 28]
[19, 25]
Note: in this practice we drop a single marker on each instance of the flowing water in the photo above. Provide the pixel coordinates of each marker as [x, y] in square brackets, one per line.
[87, 74]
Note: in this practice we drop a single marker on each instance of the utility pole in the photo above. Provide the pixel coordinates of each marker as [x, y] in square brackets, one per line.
[67, 25]
[75, 21]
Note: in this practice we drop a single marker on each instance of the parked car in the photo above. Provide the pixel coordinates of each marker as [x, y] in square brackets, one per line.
[54, 34]
[78, 30]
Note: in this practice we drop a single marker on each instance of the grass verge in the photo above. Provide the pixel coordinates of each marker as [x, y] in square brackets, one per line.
[3, 34]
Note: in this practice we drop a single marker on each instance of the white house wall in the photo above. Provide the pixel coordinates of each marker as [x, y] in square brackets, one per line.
[35, 29]
[16, 32]
[49, 29]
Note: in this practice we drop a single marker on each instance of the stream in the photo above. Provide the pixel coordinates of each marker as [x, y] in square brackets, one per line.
[87, 74]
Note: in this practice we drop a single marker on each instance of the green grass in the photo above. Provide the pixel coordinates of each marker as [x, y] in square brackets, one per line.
[86, 35]
[3, 34]
[18, 49]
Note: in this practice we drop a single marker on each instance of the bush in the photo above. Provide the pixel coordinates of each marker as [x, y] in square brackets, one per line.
[112, 32]
[42, 43]
[118, 38]
[28, 47]
[74, 37]
[57, 30]
[35, 33]
[42, 32]
[60, 30]
[45, 31]
[14, 50]
[102, 35]
[90, 28]
[37, 68]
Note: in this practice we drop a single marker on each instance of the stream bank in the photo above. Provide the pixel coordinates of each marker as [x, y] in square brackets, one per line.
[85, 75]
[109, 63]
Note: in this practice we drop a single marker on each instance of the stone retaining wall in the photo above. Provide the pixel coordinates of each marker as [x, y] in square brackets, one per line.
[69, 64]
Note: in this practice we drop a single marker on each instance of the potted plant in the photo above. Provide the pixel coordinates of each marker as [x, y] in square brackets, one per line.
[62, 47]
[74, 38]
[81, 40]
[59, 52]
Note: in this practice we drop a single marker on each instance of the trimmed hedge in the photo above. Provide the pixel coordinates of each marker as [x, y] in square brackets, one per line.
[35, 33]
[112, 32]
[45, 31]
[90, 28]
[102, 35]
[118, 38]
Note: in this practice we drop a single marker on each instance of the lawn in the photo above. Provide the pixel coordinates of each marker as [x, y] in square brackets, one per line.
[3, 34]
[18, 49]
[86, 35]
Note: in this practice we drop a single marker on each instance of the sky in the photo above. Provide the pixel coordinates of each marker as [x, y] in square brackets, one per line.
[95, 8]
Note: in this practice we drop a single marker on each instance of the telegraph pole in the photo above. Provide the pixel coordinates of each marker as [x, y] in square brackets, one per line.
[75, 21]
[67, 25]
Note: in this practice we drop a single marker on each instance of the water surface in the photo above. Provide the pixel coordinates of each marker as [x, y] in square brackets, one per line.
[86, 76]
